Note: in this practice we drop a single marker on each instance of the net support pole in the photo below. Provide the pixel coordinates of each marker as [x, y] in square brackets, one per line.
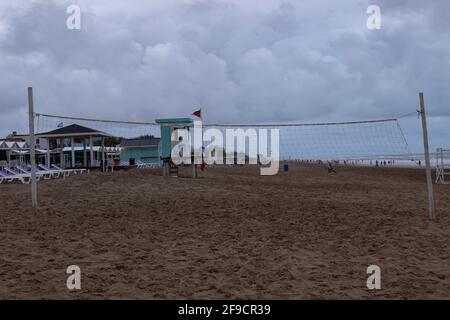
[426, 148]
[32, 148]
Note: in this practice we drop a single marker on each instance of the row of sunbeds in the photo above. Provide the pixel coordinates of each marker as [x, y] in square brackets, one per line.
[143, 165]
[23, 173]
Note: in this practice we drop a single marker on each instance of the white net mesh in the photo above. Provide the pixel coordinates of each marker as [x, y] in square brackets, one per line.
[120, 129]
[362, 140]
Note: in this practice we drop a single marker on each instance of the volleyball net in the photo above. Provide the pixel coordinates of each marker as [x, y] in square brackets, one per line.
[357, 140]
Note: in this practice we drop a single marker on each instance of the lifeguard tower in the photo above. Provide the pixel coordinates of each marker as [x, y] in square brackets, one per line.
[167, 127]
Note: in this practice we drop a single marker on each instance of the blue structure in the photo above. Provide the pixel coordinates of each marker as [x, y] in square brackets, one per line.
[144, 150]
[167, 127]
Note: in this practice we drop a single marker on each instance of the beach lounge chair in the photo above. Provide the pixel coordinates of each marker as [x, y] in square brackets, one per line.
[51, 173]
[70, 171]
[142, 165]
[39, 173]
[56, 172]
[27, 171]
[21, 172]
[4, 178]
[9, 177]
[75, 171]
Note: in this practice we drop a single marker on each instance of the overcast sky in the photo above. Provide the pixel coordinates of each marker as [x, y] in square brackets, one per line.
[242, 61]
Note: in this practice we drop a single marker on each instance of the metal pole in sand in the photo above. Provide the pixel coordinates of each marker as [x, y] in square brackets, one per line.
[32, 148]
[431, 212]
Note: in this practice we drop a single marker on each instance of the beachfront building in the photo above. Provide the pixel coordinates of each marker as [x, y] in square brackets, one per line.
[12, 151]
[111, 153]
[147, 151]
[73, 146]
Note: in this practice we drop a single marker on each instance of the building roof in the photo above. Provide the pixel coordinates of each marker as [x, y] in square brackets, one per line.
[73, 130]
[95, 149]
[174, 121]
[5, 144]
[14, 136]
[140, 143]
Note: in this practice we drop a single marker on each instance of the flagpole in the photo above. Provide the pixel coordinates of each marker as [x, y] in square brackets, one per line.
[198, 114]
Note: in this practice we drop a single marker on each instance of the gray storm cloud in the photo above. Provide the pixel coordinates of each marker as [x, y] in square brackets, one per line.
[241, 61]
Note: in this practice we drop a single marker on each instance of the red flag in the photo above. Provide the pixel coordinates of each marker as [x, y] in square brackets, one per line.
[198, 113]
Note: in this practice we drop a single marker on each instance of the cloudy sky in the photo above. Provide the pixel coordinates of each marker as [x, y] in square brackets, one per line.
[242, 61]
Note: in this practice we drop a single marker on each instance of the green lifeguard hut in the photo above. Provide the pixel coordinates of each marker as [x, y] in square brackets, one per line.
[167, 127]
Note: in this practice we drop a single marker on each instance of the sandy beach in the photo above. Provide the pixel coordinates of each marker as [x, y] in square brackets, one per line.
[231, 233]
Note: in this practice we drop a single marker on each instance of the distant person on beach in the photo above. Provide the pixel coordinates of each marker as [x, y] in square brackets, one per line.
[331, 168]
